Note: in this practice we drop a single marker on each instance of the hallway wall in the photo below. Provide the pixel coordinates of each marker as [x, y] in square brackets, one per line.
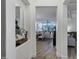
[10, 30]
[61, 31]
[72, 22]
[25, 50]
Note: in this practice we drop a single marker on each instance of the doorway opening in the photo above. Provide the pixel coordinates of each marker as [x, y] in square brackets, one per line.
[46, 31]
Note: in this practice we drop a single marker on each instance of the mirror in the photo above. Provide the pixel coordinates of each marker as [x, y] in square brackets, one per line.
[17, 20]
[17, 11]
[20, 16]
[21, 33]
[22, 21]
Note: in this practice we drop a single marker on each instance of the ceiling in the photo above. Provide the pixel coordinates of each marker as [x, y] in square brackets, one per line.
[46, 13]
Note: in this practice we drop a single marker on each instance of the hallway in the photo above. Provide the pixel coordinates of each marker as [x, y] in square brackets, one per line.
[45, 50]
[20, 18]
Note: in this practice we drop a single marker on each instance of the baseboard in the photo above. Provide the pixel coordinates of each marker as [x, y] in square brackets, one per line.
[64, 57]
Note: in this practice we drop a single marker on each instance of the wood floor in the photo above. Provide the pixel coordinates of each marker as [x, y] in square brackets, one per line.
[45, 50]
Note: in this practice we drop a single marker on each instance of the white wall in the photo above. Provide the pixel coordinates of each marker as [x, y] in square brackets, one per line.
[25, 51]
[72, 22]
[10, 30]
[46, 13]
[61, 31]
[32, 30]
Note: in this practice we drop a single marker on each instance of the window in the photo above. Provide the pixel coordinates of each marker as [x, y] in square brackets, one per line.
[45, 26]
